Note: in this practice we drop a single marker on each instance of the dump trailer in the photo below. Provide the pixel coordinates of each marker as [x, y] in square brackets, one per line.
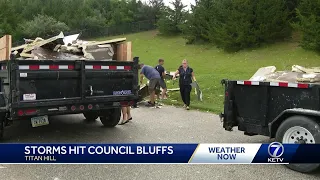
[288, 112]
[34, 90]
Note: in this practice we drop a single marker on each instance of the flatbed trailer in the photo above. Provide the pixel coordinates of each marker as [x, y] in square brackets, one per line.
[288, 112]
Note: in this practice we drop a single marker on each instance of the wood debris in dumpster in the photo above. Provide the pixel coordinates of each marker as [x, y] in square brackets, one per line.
[296, 75]
[66, 48]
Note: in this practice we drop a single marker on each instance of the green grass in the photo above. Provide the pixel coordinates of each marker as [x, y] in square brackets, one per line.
[211, 65]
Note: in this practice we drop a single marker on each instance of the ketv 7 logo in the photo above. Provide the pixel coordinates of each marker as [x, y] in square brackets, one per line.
[275, 150]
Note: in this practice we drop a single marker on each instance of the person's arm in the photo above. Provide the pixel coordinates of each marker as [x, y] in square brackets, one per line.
[175, 74]
[193, 77]
[163, 74]
[141, 75]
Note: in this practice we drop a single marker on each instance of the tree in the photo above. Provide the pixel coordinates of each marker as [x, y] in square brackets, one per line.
[309, 24]
[172, 19]
[156, 7]
[97, 17]
[238, 24]
[43, 26]
[9, 19]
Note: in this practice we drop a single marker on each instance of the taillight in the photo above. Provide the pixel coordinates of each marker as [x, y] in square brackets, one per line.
[20, 113]
[90, 106]
[81, 107]
[73, 108]
[30, 111]
[227, 94]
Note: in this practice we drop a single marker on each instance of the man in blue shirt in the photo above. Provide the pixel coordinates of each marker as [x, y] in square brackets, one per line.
[154, 80]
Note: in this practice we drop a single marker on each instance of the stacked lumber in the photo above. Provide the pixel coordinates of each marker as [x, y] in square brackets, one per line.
[296, 75]
[72, 48]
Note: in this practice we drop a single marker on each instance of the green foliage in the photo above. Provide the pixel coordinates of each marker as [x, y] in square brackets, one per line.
[9, 18]
[238, 24]
[93, 16]
[156, 8]
[309, 24]
[43, 26]
[192, 28]
[172, 19]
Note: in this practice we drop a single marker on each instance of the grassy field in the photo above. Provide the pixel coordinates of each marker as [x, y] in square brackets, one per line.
[211, 65]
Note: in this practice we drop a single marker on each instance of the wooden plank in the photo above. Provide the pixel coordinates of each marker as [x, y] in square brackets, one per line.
[5, 47]
[129, 51]
[120, 52]
[124, 51]
[111, 41]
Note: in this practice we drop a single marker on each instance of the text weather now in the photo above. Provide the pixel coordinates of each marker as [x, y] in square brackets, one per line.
[226, 153]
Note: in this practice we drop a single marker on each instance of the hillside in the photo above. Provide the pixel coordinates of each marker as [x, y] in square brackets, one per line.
[211, 64]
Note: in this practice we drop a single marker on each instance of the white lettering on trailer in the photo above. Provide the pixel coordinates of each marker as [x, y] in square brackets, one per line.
[29, 97]
[23, 74]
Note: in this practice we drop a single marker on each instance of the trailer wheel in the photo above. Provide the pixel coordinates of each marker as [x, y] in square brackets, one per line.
[91, 116]
[111, 117]
[299, 130]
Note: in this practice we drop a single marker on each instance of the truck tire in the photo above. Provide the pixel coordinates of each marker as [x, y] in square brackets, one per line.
[291, 131]
[91, 116]
[111, 117]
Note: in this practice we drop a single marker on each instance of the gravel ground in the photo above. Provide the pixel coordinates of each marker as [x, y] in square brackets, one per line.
[165, 125]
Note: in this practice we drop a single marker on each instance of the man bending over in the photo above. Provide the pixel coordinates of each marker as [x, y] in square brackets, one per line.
[154, 80]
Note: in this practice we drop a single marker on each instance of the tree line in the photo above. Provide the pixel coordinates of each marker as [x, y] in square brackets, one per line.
[238, 24]
[228, 24]
[41, 18]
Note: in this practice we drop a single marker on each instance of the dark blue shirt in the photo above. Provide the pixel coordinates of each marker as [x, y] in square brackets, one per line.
[160, 69]
[185, 76]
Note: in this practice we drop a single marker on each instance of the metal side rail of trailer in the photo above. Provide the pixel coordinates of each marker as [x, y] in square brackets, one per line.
[288, 112]
[38, 89]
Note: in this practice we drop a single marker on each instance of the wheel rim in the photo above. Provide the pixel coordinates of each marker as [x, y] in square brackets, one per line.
[298, 135]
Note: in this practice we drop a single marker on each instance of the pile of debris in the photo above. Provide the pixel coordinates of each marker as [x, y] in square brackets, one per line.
[296, 75]
[66, 48]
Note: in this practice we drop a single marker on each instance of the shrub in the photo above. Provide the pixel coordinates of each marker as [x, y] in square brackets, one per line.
[43, 26]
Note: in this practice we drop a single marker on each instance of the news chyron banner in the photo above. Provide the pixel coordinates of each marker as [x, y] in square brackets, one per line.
[275, 153]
